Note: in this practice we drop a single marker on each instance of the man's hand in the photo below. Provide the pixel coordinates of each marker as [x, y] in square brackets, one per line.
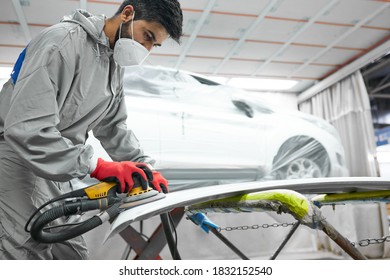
[159, 183]
[124, 173]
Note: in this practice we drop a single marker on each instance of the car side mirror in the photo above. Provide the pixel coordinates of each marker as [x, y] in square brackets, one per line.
[244, 107]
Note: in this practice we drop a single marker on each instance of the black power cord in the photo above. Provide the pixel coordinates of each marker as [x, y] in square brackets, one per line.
[168, 225]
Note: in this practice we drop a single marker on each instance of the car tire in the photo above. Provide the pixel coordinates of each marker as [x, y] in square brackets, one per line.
[300, 157]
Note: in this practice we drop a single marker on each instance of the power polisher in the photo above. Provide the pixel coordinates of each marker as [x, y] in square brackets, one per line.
[101, 196]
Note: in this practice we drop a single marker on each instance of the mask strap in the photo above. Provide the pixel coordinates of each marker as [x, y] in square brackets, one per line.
[120, 30]
[132, 26]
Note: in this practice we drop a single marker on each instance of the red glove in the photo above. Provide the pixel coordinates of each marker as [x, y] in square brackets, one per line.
[159, 183]
[124, 173]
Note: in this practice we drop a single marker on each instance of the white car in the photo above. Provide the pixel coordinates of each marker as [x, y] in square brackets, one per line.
[204, 133]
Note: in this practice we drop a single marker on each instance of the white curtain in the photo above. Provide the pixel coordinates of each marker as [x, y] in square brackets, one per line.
[346, 106]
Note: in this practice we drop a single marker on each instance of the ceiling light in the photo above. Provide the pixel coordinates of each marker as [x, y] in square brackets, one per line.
[262, 84]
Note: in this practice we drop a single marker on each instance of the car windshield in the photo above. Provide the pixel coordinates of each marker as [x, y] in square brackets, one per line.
[155, 81]
[160, 81]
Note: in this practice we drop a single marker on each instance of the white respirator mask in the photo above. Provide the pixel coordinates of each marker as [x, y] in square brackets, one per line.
[127, 51]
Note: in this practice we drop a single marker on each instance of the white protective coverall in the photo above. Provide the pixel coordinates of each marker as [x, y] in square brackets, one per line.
[68, 84]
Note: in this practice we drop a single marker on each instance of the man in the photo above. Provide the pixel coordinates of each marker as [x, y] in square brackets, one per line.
[67, 82]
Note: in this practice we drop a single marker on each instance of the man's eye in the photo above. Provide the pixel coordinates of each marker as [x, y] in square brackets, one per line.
[147, 37]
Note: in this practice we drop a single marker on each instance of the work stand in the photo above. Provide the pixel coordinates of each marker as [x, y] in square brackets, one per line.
[150, 249]
[306, 212]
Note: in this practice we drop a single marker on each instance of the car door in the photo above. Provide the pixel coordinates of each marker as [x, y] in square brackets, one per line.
[209, 137]
[144, 120]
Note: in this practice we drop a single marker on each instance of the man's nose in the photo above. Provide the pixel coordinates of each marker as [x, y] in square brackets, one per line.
[148, 46]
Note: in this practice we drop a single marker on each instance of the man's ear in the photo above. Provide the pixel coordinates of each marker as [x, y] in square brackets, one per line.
[127, 13]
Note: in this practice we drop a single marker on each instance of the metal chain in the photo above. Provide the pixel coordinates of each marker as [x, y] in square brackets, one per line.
[370, 241]
[275, 225]
[362, 243]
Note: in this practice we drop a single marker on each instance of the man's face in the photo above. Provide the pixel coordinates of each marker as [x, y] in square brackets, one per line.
[149, 34]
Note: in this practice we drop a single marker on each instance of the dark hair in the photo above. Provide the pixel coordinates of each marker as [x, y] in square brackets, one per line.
[166, 12]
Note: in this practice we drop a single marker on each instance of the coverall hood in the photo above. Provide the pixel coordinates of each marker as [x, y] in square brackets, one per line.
[93, 25]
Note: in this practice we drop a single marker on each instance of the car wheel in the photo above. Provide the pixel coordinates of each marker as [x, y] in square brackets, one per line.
[301, 157]
[303, 168]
